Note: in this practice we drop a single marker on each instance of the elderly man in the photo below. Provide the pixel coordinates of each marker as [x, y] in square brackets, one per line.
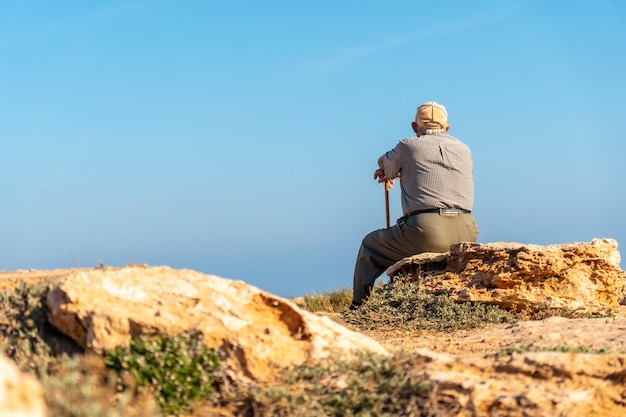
[437, 188]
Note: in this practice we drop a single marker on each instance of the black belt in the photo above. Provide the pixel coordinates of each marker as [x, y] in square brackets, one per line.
[440, 211]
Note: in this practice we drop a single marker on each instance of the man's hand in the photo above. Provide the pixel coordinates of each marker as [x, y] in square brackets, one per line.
[379, 174]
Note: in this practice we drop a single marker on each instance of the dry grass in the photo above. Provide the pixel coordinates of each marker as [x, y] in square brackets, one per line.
[327, 302]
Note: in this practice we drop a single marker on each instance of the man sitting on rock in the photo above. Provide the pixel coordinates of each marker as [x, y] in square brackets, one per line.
[437, 193]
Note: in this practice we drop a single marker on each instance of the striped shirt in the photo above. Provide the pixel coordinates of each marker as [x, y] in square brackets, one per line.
[435, 172]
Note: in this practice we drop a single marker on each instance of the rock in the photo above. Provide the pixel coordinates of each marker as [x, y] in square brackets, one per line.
[252, 329]
[529, 384]
[21, 395]
[581, 277]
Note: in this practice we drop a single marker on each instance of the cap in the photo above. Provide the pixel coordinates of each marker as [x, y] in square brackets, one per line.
[431, 115]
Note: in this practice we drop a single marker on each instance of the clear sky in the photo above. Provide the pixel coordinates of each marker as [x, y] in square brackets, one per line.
[239, 138]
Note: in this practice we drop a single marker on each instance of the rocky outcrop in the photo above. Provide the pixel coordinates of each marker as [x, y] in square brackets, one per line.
[528, 384]
[581, 277]
[254, 330]
[20, 395]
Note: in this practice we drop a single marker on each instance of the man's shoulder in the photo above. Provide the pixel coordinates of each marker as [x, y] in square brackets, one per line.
[453, 139]
[409, 140]
[445, 136]
[431, 141]
[414, 140]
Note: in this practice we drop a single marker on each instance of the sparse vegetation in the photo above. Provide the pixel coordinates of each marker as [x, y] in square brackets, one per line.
[166, 376]
[366, 386]
[329, 302]
[559, 348]
[177, 369]
[22, 322]
[401, 305]
[541, 313]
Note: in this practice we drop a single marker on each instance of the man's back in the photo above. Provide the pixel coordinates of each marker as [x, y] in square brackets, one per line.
[436, 172]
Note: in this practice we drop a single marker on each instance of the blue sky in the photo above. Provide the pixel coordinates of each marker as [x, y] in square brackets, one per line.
[240, 138]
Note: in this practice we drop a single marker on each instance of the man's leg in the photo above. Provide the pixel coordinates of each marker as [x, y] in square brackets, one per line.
[421, 233]
[379, 250]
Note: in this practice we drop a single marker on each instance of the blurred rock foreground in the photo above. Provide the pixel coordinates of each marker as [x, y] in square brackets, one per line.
[20, 394]
[258, 333]
[252, 329]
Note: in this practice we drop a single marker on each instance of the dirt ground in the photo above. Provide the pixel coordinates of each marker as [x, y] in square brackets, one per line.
[595, 334]
[606, 334]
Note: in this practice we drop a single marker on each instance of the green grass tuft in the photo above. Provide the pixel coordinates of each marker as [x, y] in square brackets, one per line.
[177, 369]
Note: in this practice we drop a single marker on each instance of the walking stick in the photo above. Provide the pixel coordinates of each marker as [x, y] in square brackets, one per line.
[387, 203]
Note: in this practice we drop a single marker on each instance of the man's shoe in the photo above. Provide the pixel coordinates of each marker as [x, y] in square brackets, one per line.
[354, 306]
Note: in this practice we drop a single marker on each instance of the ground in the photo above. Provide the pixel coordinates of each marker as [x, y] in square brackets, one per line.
[604, 334]
[595, 334]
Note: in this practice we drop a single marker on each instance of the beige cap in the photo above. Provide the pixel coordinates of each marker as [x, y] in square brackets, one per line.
[431, 115]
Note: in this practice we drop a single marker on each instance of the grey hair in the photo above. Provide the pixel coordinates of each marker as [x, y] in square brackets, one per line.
[425, 131]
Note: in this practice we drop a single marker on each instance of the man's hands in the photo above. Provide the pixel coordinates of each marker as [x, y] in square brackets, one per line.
[379, 175]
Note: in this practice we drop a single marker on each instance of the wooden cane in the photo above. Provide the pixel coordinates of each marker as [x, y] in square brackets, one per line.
[387, 204]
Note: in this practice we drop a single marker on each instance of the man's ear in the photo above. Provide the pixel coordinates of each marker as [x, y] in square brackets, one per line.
[447, 127]
[414, 127]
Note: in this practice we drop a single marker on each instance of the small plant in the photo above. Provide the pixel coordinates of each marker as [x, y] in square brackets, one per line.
[560, 348]
[331, 302]
[576, 349]
[21, 324]
[541, 313]
[79, 386]
[402, 305]
[177, 369]
[369, 386]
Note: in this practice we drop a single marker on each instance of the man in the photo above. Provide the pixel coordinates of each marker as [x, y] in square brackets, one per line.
[437, 188]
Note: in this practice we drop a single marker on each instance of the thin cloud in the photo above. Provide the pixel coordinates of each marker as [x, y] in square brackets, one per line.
[436, 30]
[352, 54]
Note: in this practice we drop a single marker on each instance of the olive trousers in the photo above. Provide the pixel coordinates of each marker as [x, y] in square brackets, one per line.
[423, 232]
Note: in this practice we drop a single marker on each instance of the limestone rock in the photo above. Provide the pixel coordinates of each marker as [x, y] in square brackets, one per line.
[252, 329]
[21, 395]
[582, 277]
[529, 384]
